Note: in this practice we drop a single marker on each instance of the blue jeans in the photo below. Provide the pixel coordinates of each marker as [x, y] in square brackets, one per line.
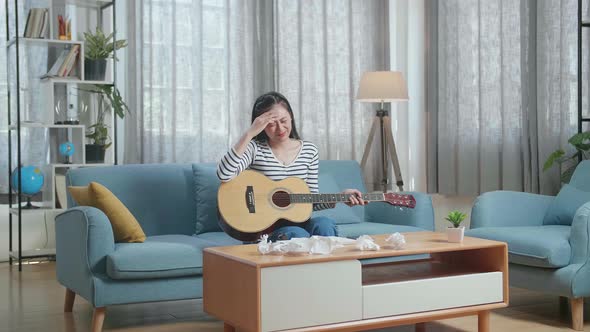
[323, 226]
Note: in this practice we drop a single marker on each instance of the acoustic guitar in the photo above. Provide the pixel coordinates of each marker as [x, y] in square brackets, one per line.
[251, 204]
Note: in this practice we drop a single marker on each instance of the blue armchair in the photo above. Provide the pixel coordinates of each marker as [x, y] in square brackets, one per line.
[549, 251]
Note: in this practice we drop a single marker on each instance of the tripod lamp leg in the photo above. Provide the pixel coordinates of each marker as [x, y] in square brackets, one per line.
[393, 153]
[369, 142]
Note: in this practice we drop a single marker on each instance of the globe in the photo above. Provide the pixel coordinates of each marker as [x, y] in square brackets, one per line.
[32, 180]
[66, 149]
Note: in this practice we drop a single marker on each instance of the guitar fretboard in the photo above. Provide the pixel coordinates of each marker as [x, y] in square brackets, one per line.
[331, 198]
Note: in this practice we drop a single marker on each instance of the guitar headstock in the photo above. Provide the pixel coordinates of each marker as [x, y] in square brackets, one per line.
[400, 200]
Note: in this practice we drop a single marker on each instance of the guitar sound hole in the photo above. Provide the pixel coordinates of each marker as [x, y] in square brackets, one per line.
[281, 199]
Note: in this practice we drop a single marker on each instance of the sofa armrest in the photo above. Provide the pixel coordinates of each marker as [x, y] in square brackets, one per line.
[83, 239]
[580, 235]
[509, 208]
[421, 216]
[580, 242]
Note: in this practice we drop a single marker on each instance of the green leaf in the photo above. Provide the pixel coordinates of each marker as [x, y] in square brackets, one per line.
[456, 217]
[109, 98]
[98, 46]
[579, 139]
[554, 157]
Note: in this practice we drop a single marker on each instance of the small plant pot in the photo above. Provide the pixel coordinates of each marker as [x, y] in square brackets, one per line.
[95, 153]
[455, 235]
[95, 70]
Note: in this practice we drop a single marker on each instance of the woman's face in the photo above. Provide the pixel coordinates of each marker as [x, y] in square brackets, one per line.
[280, 129]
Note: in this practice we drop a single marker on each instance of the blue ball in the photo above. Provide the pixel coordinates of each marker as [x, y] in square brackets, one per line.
[32, 180]
[66, 149]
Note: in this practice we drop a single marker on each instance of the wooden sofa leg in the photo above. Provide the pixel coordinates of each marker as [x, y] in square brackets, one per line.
[98, 319]
[69, 302]
[577, 313]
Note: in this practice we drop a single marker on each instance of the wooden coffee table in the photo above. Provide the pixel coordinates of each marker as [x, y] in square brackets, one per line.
[338, 292]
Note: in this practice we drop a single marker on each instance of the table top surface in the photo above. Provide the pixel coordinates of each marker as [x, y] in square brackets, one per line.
[416, 243]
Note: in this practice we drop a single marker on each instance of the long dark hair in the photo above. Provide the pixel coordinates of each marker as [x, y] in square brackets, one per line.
[265, 103]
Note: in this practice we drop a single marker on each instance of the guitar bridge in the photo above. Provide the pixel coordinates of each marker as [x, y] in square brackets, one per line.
[250, 202]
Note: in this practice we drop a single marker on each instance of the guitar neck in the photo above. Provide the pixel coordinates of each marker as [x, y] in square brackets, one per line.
[332, 198]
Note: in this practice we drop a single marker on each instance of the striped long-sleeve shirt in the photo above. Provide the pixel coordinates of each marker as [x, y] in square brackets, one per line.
[259, 157]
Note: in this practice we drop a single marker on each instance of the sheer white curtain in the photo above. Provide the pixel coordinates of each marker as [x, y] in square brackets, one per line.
[505, 95]
[322, 49]
[199, 65]
[196, 71]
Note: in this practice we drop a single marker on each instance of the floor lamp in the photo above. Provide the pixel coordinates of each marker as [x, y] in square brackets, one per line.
[381, 87]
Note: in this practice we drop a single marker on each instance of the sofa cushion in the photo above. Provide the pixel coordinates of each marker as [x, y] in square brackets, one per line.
[371, 228]
[160, 256]
[540, 246]
[563, 208]
[206, 187]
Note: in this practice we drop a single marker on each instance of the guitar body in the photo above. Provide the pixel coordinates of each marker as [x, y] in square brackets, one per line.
[251, 204]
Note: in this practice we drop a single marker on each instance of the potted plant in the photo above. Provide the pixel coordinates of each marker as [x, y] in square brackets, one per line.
[109, 98]
[98, 47]
[456, 233]
[567, 164]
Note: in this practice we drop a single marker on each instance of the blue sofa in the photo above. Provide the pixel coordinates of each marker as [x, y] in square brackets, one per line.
[544, 256]
[176, 207]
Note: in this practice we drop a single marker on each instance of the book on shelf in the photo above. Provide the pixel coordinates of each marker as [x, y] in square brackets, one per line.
[68, 65]
[63, 66]
[37, 23]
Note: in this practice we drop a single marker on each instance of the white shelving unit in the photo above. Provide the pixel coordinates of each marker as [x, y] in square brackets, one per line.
[60, 107]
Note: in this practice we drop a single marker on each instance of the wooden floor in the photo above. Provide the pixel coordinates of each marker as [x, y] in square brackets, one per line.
[33, 301]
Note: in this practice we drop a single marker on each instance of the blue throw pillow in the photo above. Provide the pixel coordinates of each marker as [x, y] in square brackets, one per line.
[206, 187]
[563, 208]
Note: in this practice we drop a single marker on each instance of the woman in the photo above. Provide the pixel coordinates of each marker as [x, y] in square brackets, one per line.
[272, 147]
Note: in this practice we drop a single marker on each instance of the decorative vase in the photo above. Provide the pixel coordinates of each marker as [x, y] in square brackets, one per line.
[455, 235]
[95, 70]
[95, 153]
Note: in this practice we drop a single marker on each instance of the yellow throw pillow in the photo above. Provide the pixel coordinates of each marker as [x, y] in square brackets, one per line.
[125, 226]
[81, 195]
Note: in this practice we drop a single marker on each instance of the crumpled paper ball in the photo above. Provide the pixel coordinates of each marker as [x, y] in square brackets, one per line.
[396, 241]
[365, 242]
[264, 245]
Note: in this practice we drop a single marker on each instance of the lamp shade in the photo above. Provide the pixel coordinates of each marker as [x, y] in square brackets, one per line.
[382, 86]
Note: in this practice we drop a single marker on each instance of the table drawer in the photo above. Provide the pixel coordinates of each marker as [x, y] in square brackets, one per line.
[402, 297]
[296, 296]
